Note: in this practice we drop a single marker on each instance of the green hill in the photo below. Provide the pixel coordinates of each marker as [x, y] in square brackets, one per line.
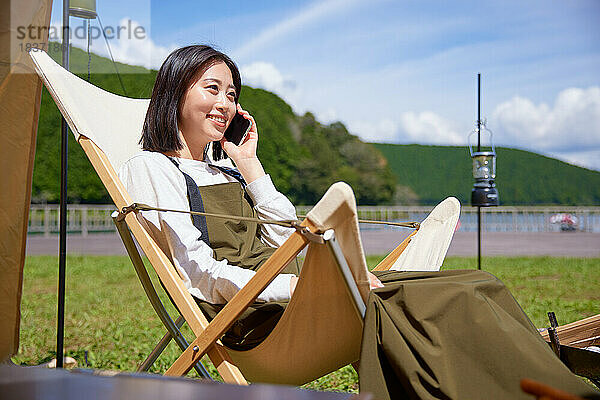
[302, 156]
[523, 177]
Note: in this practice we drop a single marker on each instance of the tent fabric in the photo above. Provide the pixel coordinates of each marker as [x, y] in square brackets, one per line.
[20, 91]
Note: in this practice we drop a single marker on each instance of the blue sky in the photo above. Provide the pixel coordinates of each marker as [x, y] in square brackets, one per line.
[402, 71]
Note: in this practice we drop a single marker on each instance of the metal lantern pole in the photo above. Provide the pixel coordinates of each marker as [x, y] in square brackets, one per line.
[484, 192]
[62, 252]
[478, 149]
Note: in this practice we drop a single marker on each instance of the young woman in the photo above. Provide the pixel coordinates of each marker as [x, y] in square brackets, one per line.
[193, 102]
[456, 334]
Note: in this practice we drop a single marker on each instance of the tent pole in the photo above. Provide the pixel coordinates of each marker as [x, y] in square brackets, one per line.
[62, 253]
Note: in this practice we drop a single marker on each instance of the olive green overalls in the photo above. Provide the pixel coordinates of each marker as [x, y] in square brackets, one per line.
[239, 242]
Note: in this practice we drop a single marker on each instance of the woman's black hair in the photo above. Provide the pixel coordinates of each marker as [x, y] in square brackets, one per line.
[176, 75]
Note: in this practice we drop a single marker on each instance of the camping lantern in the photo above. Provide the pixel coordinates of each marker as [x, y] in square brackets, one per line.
[484, 193]
[83, 9]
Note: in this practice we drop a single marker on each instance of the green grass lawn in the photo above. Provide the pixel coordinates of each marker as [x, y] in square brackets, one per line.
[109, 318]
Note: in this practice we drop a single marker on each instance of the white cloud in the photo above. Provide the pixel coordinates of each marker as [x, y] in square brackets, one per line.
[587, 159]
[428, 127]
[266, 76]
[327, 116]
[571, 125]
[129, 41]
[315, 11]
[384, 130]
[139, 51]
[424, 127]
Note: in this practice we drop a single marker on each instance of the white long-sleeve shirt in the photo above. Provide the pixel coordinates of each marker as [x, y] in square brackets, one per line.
[151, 178]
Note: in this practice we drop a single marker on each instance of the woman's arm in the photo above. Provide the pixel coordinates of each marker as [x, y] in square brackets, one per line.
[150, 178]
[271, 204]
[268, 202]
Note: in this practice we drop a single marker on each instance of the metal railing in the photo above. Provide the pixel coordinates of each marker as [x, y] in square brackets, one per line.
[87, 219]
[81, 219]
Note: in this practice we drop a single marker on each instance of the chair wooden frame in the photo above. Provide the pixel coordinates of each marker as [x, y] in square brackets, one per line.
[570, 342]
[162, 265]
[173, 327]
[582, 333]
[207, 334]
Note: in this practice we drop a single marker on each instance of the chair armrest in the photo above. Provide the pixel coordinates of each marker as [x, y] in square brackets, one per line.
[391, 258]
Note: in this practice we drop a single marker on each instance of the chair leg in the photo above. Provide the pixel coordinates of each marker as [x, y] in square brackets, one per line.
[162, 344]
[173, 331]
[159, 348]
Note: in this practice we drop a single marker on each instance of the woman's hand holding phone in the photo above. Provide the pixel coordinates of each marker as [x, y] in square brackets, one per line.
[244, 154]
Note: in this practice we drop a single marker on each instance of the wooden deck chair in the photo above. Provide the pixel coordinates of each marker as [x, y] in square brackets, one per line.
[577, 344]
[581, 334]
[300, 348]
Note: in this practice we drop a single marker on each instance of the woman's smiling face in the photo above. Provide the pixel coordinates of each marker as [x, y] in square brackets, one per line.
[208, 107]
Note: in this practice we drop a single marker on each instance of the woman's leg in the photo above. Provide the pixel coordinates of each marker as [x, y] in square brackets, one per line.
[453, 335]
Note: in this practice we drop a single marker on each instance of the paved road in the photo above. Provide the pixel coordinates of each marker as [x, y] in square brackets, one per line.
[570, 244]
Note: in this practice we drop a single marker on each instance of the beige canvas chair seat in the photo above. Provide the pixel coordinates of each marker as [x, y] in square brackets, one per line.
[435, 234]
[321, 328]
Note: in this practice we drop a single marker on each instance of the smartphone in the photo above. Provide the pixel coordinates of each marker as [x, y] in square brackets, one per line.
[238, 129]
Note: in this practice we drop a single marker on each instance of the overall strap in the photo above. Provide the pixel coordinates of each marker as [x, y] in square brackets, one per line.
[234, 173]
[196, 204]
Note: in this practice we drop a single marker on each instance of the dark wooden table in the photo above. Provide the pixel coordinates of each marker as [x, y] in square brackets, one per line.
[26, 383]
